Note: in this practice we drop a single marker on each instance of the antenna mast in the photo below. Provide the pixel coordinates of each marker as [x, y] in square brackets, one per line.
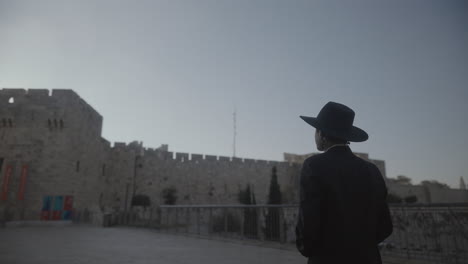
[235, 134]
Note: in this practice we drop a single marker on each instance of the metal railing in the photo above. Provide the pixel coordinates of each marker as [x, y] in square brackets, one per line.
[435, 233]
[256, 222]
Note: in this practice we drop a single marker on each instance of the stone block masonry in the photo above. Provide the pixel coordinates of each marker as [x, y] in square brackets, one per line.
[58, 136]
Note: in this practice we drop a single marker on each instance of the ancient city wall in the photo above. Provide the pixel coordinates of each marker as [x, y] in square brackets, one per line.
[117, 188]
[57, 136]
[198, 179]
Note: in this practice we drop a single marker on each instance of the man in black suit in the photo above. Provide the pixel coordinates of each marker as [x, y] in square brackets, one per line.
[343, 213]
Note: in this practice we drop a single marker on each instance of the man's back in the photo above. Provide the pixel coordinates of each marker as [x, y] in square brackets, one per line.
[343, 213]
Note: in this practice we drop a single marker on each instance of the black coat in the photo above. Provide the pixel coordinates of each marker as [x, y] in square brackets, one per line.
[343, 213]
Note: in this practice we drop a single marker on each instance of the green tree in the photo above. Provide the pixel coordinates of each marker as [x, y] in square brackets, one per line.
[411, 199]
[141, 200]
[394, 199]
[272, 219]
[245, 196]
[274, 196]
[402, 179]
[170, 195]
[250, 214]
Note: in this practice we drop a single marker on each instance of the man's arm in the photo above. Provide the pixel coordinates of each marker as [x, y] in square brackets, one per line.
[308, 226]
[384, 219]
[384, 224]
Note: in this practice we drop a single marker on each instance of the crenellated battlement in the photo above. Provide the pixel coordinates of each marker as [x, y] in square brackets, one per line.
[31, 95]
[183, 157]
[45, 98]
[187, 157]
[56, 109]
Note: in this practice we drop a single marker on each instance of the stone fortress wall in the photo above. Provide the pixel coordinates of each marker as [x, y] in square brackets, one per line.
[57, 136]
[198, 179]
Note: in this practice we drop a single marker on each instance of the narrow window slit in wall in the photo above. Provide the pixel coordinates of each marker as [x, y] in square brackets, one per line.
[77, 166]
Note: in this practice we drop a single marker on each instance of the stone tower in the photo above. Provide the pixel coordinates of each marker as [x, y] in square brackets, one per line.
[52, 153]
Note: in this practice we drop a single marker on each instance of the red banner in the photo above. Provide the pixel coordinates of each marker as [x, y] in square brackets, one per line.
[68, 205]
[57, 215]
[6, 179]
[24, 172]
[45, 215]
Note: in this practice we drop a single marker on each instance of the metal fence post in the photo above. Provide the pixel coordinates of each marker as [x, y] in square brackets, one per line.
[158, 217]
[242, 222]
[198, 221]
[210, 222]
[167, 218]
[176, 220]
[187, 221]
[150, 219]
[282, 230]
[225, 221]
[259, 224]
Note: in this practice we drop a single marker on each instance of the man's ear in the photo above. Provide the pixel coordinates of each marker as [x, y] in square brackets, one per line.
[320, 133]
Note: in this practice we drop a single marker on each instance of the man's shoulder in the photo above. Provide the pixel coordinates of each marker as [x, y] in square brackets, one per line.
[363, 161]
[372, 167]
[315, 160]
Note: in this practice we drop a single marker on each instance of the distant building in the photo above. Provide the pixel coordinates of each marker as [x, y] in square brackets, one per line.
[429, 192]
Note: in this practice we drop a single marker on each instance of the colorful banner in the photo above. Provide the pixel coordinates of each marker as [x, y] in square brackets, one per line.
[58, 207]
[68, 207]
[24, 172]
[6, 180]
[67, 215]
[46, 206]
[68, 203]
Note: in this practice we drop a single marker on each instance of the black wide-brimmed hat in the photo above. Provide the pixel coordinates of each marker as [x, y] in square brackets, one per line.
[336, 120]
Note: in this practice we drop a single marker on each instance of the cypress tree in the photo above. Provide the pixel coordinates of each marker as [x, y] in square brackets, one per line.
[272, 224]
[250, 214]
[274, 196]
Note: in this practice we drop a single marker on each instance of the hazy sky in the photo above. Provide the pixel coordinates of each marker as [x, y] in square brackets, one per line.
[172, 72]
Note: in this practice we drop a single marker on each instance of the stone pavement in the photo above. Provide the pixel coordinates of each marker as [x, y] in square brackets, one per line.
[78, 244]
[89, 245]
